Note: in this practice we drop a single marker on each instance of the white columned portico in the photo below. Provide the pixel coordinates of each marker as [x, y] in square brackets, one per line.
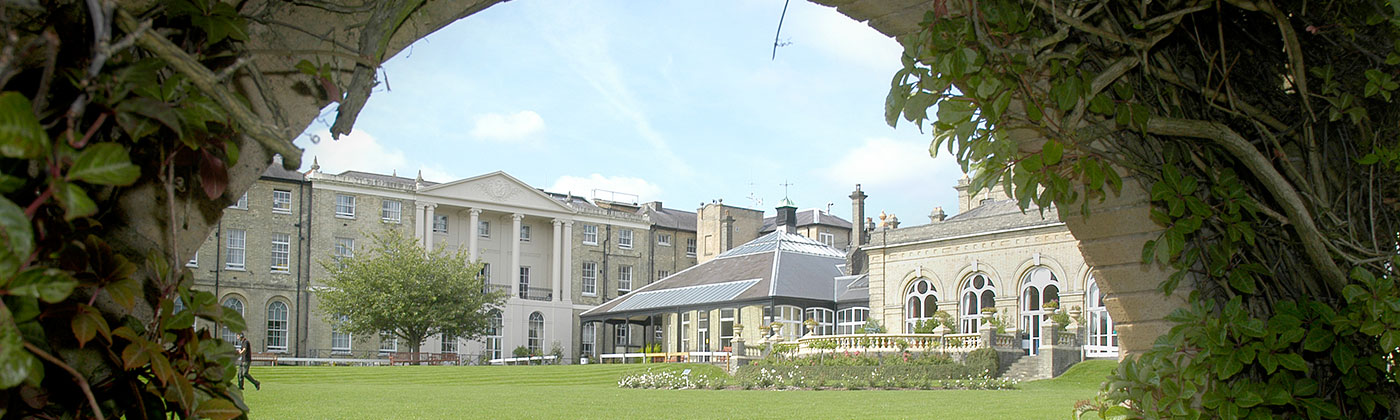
[428, 216]
[418, 222]
[472, 232]
[555, 261]
[566, 293]
[515, 255]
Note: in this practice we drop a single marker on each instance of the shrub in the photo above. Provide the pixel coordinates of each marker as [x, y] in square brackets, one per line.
[521, 352]
[984, 362]
[677, 377]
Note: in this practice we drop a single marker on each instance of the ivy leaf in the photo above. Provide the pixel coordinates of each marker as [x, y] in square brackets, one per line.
[104, 164]
[51, 284]
[16, 364]
[136, 354]
[74, 200]
[160, 366]
[180, 390]
[125, 291]
[21, 135]
[1293, 361]
[87, 323]
[155, 110]
[14, 226]
[894, 104]
[233, 320]
[218, 409]
[1242, 281]
[1051, 152]
[1318, 339]
[1248, 399]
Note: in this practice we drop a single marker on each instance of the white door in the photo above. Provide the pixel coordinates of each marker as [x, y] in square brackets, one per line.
[1038, 288]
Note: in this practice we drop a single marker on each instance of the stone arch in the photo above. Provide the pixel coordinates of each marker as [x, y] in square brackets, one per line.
[1111, 243]
[1045, 261]
[992, 273]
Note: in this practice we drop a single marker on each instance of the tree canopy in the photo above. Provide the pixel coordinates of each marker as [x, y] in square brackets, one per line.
[400, 289]
[1266, 134]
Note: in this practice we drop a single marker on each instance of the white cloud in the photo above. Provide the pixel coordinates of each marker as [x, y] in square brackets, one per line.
[898, 168]
[846, 39]
[360, 151]
[508, 127]
[579, 36]
[585, 186]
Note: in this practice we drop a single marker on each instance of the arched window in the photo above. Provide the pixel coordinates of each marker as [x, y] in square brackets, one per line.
[1103, 338]
[790, 317]
[590, 339]
[536, 333]
[493, 335]
[277, 326]
[850, 320]
[920, 303]
[826, 320]
[1038, 287]
[978, 293]
[225, 333]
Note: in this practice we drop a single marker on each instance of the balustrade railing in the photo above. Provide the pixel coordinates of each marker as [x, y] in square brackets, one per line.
[891, 342]
[537, 293]
[1067, 339]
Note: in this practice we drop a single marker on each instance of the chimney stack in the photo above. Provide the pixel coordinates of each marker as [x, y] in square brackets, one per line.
[857, 215]
[937, 215]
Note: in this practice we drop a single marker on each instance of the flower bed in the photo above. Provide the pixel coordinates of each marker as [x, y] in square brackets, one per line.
[947, 376]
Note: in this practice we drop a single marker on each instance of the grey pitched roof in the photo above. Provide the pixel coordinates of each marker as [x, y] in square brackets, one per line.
[990, 216]
[671, 218]
[853, 289]
[774, 265]
[806, 217]
[275, 171]
[390, 179]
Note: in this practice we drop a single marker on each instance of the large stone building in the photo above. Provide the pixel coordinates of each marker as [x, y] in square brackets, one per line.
[990, 255]
[990, 261]
[556, 255]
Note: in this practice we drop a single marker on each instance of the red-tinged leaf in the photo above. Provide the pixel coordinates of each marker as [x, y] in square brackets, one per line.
[158, 111]
[218, 409]
[87, 323]
[180, 390]
[136, 354]
[125, 291]
[213, 175]
[160, 366]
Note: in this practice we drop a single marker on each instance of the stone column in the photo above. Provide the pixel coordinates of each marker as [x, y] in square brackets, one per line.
[418, 223]
[429, 220]
[567, 293]
[555, 260]
[473, 233]
[515, 255]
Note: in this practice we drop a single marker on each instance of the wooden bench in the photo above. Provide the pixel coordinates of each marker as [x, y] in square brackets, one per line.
[269, 358]
[406, 358]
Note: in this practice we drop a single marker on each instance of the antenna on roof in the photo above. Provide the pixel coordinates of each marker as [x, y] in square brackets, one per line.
[754, 198]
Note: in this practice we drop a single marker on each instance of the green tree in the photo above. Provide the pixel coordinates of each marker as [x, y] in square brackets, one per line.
[1265, 135]
[403, 290]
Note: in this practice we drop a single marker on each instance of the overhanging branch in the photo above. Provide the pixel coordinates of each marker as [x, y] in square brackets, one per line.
[1298, 215]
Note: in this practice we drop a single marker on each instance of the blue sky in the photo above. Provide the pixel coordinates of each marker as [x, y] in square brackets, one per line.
[673, 101]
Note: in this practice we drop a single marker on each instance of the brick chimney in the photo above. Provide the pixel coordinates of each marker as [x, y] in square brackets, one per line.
[857, 215]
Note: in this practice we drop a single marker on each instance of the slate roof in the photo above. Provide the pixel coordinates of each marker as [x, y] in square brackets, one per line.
[990, 216]
[774, 265]
[275, 171]
[671, 218]
[853, 289]
[804, 218]
[389, 179]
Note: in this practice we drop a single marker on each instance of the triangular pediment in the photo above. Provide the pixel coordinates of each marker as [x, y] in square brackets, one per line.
[497, 188]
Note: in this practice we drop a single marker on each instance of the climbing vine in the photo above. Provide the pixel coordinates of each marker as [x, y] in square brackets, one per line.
[122, 128]
[1265, 136]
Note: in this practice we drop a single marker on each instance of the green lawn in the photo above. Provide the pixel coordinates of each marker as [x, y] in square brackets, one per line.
[591, 392]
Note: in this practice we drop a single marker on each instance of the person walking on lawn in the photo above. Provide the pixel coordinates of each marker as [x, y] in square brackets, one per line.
[245, 360]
